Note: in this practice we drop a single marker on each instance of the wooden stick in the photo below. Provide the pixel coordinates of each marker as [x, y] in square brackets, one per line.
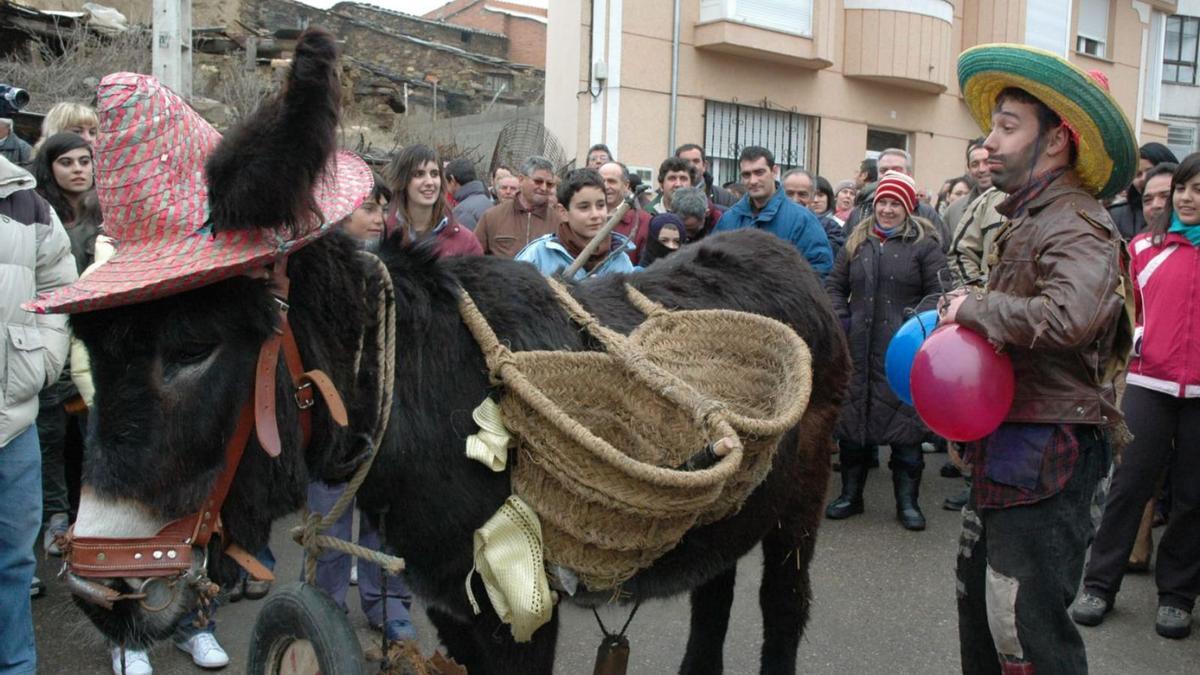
[592, 245]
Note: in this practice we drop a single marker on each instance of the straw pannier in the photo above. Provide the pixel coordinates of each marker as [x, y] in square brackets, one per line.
[600, 434]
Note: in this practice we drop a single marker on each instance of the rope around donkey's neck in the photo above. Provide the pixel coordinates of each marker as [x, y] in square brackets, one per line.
[309, 534]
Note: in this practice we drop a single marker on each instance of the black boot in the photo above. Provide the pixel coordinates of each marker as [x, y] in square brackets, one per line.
[907, 486]
[850, 502]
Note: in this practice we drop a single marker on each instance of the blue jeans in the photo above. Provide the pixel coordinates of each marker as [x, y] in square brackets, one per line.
[20, 519]
[333, 567]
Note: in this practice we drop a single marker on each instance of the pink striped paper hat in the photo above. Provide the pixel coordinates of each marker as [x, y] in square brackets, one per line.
[150, 181]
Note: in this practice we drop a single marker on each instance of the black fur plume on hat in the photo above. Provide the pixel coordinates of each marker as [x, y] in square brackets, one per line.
[263, 172]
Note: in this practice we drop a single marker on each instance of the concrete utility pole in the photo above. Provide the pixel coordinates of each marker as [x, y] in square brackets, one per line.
[173, 44]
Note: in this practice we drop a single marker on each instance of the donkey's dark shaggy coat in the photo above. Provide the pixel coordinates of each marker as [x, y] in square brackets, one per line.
[193, 356]
[263, 171]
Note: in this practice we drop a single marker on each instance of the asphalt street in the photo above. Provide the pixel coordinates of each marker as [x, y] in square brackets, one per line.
[884, 604]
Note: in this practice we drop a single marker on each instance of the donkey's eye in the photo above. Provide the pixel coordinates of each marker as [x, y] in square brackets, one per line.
[192, 352]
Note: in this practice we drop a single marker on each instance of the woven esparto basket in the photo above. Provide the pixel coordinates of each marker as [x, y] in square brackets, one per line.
[600, 433]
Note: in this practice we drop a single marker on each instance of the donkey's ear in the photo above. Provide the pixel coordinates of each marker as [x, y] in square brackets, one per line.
[262, 173]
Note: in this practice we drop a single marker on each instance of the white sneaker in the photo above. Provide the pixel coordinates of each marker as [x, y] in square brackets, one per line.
[58, 525]
[137, 662]
[205, 650]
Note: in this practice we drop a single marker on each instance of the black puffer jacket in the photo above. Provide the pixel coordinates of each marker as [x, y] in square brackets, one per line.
[871, 292]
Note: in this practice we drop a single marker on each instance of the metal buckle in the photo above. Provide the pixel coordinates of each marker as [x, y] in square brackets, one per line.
[300, 403]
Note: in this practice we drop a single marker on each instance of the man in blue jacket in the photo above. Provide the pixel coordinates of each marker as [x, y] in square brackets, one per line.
[766, 207]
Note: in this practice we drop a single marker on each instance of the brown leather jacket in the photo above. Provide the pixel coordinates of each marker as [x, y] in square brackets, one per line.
[1055, 300]
[509, 226]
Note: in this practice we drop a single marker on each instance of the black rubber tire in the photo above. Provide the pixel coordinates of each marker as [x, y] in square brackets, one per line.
[302, 612]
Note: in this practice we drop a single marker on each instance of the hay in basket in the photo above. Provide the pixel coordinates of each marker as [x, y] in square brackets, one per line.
[601, 434]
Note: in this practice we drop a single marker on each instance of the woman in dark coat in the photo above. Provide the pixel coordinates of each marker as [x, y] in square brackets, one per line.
[1127, 215]
[889, 266]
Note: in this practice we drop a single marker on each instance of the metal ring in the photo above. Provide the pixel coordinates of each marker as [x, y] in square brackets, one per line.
[170, 582]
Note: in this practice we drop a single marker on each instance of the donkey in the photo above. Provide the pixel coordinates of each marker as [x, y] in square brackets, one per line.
[172, 374]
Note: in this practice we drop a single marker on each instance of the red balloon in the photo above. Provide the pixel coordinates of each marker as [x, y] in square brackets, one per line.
[961, 387]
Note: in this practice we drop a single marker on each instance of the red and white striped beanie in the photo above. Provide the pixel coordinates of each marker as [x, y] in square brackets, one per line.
[900, 187]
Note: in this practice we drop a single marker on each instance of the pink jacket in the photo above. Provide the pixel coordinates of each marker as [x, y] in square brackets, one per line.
[454, 239]
[1166, 337]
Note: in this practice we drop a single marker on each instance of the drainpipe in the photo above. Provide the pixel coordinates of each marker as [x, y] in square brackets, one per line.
[674, 81]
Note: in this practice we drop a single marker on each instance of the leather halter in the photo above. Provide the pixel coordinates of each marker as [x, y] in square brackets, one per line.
[169, 552]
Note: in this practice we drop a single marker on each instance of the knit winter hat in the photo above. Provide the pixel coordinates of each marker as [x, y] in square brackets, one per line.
[846, 184]
[900, 187]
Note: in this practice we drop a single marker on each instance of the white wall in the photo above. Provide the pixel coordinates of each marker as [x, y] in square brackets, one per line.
[1180, 101]
[565, 47]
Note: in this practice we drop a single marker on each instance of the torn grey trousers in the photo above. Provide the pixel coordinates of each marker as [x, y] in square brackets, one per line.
[1018, 573]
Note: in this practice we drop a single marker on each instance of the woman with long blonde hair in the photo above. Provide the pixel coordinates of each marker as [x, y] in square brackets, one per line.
[888, 269]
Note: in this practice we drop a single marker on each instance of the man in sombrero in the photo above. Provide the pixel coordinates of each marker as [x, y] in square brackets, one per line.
[1057, 143]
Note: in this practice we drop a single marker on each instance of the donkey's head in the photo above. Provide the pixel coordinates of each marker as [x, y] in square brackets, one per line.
[174, 376]
[171, 377]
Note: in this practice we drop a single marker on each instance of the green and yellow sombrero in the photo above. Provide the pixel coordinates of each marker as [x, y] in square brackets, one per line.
[1108, 153]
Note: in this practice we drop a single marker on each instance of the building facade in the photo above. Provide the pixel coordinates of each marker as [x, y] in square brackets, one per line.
[822, 83]
[1180, 78]
[524, 23]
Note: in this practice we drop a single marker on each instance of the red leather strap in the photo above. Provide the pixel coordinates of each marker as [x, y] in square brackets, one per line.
[329, 393]
[169, 552]
[265, 421]
[249, 563]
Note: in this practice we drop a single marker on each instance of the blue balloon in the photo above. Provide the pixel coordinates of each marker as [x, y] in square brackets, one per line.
[903, 349]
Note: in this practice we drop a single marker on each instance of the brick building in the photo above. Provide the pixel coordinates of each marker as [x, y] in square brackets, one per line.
[523, 23]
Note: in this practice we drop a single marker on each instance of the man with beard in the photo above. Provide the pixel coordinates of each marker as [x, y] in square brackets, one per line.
[1055, 303]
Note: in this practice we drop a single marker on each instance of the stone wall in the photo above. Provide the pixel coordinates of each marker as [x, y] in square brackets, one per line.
[276, 14]
[467, 79]
[463, 37]
[466, 83]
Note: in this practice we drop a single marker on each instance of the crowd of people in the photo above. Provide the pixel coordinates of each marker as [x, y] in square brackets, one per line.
[1027, 247]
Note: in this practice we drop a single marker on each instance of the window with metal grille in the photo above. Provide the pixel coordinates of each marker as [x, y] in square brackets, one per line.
[729, 127]
[498, 82]
[1179, 51]
[879, 140]
[1181, 140]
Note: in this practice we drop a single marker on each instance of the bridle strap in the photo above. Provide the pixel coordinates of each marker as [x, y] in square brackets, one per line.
[265, 420]
[169, 551]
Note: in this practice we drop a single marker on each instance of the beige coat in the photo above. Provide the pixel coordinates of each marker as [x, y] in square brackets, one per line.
[975, 237]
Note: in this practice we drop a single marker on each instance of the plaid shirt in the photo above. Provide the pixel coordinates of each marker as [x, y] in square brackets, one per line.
[1021, 464]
